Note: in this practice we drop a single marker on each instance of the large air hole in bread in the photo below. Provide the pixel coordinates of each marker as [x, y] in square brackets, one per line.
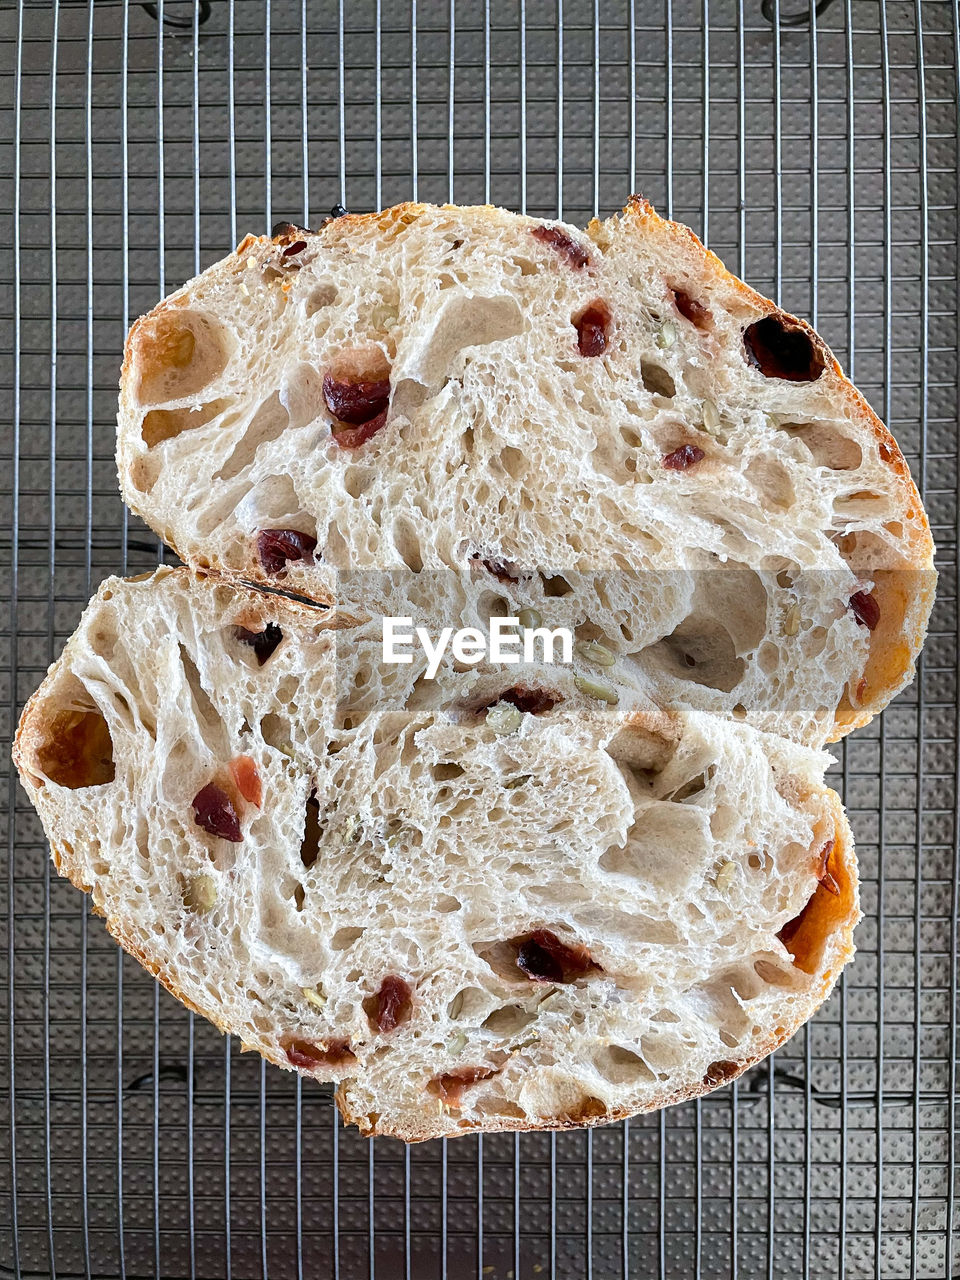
[177, 353]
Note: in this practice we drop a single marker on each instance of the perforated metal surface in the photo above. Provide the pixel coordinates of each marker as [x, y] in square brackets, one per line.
[821, 162]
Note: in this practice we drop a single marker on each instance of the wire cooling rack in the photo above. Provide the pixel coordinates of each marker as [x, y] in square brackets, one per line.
[816, 150]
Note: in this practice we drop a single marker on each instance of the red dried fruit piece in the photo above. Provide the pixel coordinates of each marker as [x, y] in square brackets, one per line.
[356, 402]
[691, 309]
[865, 609]
[565, 245]
[592, 325]
[502, 570]
[246, 776]
[214, 812]
[780, 347]
[298, 246]
[391, 1005]
[449, 1087]
[354, 437]
[824, 876]
[544, 958]
[687, 455]
[263, 643]
[335, 1053]
[719, 1073]
[276, 547]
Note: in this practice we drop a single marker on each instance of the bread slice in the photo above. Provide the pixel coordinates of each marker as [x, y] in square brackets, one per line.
[467, 915]
[466, 390]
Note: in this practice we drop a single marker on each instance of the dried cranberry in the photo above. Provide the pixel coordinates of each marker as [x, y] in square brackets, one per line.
[686, 456]
[865, 609]
[824, 876]
[214, 812]
[335, 1053]
[356, 402]
[537, 962]
[263, 643]
[565, 245]
[691, 309]
[246, 776]
[592, 325]
[276, 546]
[544, 958]
[354, 437]
[391, 1005]
[720, 1072]
[781, 347]
[450, 1086]
[298, 246]
[502, 570]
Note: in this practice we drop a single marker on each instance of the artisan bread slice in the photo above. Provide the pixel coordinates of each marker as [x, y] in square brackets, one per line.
[492, 900]
[437, 389]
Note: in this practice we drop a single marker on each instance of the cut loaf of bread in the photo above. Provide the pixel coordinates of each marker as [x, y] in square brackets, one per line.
[605, 424]
[468, 915]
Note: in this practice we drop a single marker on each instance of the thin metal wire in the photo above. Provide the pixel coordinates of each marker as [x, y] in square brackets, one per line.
[777, 295]
[304, 164]
[227, 1046]
[921, 478]
[559, 108]
[267, 118]
[633, 96]
[516, 1204]
[954, 1013]
[371, 1206]
[625, 1203]
[814, 320]
[668, 103]
[341, 107]
[14, 647]
[486, 102]
[662, 1195]
[264, 1268]
[162, 288]
[414, 106]
[124, 549]
[377, 116]
[451, 96]
[845, 757]
[523, 118]
[335, 1190]
[87, 574]
[479, 1206]
[881, 814]
[407, 1270]
[51, 596]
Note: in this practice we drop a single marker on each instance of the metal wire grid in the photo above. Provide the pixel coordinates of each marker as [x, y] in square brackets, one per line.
[821, 162]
